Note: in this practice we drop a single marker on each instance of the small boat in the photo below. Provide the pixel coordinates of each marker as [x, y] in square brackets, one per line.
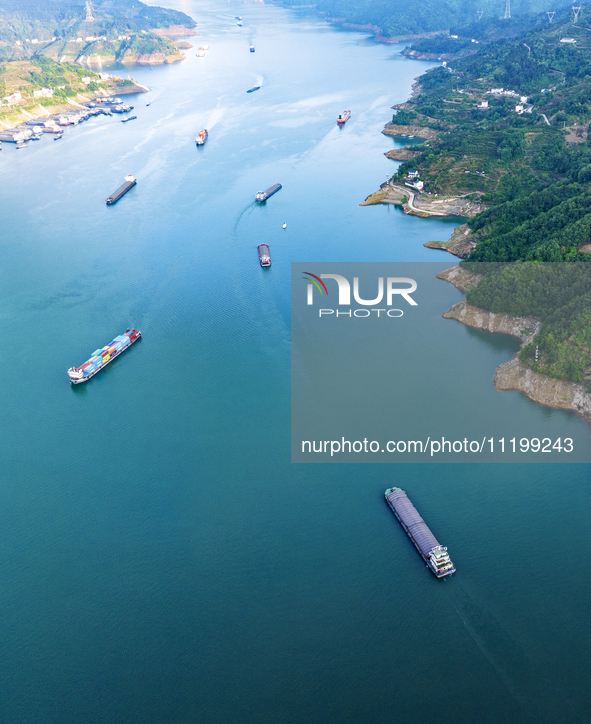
[237, 17]
[21, 144]
[201, 54]
[147, 104]
[285, 226]
[264, 255]
[57, 136]
[251, 90]
[252, 48]
[404, 135]
[239, 25]
[411, 136]
[342, 118]
[201, 137]
[131, 118]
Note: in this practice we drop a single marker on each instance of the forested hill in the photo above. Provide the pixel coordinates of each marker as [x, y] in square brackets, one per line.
[524, 151]
[25, 21]
[398, 17]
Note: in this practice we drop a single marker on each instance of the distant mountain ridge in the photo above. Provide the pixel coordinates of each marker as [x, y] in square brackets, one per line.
[393, 18]
[26, 27]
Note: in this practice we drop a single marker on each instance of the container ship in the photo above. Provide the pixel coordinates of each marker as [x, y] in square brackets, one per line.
[264, 195]
[101, 357]
[201, 137]
[130, 182]
[342, 118]
[264, 255]
[434, 554]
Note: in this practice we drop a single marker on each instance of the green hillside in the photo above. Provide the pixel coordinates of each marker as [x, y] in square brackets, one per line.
[24, 21]
[532, 168]
[394, 17]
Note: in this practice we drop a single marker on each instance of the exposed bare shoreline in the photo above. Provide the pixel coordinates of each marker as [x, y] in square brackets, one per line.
[515, 375]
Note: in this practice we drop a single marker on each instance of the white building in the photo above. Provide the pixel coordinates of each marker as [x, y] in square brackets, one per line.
[567, 40]
[519, 108]
[43, 93]
[13, 98]
[483, 104]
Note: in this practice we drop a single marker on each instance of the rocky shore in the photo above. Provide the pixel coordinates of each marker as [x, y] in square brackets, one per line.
[394, 129]
[461, 242]
[515, 375]
[402, 154]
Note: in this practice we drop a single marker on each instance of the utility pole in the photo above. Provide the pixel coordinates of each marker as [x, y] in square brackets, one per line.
[507, 10]
[576, 11]
[89, 18]
[480, 12]
[550, 15]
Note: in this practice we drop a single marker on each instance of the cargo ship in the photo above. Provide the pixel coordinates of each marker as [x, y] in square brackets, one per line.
[101, 357]
[434, 554]
[264, 195]
[201, 137]
[264, 255]
[342, 118]
[251, 90]
[130, 182]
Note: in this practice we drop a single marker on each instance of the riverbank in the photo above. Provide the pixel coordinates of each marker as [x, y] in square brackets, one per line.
[423, 205]
[20, 115]
[515, 375]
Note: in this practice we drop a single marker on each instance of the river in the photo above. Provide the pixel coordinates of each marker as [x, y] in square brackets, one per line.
[161, 559]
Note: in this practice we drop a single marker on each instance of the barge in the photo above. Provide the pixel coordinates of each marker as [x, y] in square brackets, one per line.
[264, 255]
[130, 182]
[264, 195]
[101, 357]
[129, 118]
[432, 552]
[342, 118]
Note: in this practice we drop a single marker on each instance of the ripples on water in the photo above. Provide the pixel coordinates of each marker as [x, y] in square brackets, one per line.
[162, 560]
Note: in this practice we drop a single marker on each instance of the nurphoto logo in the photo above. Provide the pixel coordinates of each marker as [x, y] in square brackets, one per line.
[344, 297]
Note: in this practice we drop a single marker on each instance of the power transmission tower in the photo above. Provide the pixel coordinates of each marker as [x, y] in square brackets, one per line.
[480, 14]
[507, 10]
[576, 11]
[550, 15]
[89, 18]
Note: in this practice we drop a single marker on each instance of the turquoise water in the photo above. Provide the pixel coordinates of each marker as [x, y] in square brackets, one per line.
[161, 560]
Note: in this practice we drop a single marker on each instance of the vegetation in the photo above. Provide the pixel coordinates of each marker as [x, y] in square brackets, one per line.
[395, 17]
[531, 169]
[557, 294]
[22, 21]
